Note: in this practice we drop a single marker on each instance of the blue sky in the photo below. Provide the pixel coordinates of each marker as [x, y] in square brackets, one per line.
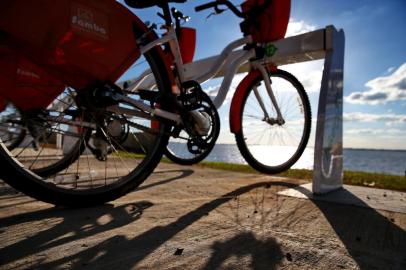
[375, 62]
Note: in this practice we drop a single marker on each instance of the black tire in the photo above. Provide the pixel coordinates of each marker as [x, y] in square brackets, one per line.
[177, 150]
[260, 147]
[79, 185]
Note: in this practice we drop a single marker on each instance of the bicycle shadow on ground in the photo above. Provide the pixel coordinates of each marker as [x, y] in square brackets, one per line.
[86, 221]
[7, 190]
[119, 252]
[263, 253]
[373, 240]
[183, 173]
[76, 224]
[8, 193]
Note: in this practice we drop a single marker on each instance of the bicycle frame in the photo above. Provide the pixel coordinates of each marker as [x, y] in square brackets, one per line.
[225, 59]
[231, 65]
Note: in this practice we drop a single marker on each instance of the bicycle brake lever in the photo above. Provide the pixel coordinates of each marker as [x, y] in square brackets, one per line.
[213, 13]
[217, 11]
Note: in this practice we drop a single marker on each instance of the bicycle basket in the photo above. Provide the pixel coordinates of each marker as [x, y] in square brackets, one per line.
[267, 20]
[76, 41]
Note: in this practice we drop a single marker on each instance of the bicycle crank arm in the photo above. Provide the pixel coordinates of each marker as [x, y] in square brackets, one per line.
[153, 112]
[129, 112]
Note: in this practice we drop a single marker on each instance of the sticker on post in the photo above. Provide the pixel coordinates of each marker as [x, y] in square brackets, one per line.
[270, 49]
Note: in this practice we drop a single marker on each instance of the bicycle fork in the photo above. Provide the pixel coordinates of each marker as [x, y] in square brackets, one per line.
[279, 119]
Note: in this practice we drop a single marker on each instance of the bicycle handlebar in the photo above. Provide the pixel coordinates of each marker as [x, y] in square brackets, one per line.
[216, 3]
[206, 6]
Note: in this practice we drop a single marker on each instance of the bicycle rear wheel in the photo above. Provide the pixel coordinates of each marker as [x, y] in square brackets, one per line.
[268, 146]
[110, 166]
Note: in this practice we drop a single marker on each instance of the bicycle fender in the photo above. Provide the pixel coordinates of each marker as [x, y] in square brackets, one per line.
[76, 42]
[236, 103]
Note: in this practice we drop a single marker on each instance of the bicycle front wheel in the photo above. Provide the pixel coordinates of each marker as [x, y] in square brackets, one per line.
[271, 145]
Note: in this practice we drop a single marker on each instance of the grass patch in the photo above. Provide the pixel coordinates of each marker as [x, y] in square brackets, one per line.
[376, 180]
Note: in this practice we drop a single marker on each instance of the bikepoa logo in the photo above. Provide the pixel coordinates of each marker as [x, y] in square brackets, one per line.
[84, 20]
[27, 73]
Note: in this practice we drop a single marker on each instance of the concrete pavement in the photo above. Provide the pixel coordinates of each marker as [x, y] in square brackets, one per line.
[199, 218]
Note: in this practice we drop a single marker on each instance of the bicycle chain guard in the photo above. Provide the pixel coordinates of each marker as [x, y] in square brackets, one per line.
[200, 103]
[191, 96]
[197, 143]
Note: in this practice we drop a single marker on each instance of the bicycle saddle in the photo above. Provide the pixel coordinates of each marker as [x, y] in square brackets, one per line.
[150, 3]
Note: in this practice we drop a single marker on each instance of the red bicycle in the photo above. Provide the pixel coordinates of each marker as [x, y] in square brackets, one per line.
[89, 139]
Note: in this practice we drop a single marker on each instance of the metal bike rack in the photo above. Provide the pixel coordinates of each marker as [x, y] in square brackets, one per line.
[327, 43]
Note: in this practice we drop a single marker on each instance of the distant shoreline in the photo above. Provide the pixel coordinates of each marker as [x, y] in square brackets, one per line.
[349, 148]
[375, 149]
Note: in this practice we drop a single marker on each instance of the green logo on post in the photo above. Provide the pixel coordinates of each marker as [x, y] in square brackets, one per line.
[270, 50]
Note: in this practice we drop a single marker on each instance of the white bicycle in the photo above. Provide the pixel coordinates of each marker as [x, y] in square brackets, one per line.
[126, 126]
[271, 124]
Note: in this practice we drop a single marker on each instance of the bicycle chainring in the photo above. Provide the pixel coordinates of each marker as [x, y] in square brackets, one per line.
[198, 141]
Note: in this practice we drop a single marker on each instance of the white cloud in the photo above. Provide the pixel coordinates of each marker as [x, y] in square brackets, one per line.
[380, 132]
[308, 73]
[389, 119]
[311, 80]
[390, 69]
[378, 138]
[298, 27]
[212, 91]
[382, 89]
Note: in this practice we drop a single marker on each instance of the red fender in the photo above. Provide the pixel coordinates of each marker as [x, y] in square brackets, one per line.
[236, 103]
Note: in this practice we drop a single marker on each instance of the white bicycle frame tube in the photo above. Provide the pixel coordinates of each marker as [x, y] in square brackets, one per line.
[169, 37]
[230, 71]
[225, 60]
[224, 55]
[230, 65]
